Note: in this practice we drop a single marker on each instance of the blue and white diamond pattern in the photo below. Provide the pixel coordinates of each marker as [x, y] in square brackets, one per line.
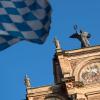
[24, 20]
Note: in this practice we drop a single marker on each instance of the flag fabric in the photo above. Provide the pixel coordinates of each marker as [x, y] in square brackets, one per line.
[24, 20]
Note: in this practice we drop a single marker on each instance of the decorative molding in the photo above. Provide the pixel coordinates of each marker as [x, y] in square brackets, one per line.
[81, 51]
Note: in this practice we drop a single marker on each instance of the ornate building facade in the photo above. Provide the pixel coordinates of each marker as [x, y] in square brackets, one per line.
[76, 76]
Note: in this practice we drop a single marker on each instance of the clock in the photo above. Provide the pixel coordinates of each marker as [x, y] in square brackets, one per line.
[90, 73]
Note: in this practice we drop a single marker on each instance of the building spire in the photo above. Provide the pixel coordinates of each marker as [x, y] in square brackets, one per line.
[82, 37]
[57, 43]
[27, 81]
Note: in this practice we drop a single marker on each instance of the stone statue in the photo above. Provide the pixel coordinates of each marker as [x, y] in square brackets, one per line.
[57, 43]
[27, 81]
[82, 37]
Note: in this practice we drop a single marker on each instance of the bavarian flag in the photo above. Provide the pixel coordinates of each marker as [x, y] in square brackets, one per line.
[24, 20]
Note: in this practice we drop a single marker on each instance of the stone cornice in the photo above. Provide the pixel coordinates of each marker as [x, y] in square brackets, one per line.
[81, 51]
[95, 88]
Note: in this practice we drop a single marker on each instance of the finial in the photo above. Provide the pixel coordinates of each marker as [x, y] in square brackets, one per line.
[27, 81]
[57, 43]
[82, 37]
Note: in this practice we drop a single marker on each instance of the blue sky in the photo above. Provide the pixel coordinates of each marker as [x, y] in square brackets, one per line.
[36, 60]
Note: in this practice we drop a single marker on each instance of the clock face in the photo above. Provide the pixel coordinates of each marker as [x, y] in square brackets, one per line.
[90, 73]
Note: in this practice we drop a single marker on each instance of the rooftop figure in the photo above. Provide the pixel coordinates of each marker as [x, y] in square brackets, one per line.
[82, 37]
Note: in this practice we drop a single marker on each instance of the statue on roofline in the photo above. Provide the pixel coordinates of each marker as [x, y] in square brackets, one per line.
[82, 37]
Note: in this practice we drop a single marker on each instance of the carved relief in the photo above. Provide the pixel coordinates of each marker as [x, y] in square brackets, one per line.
[88, 70]
[74, 62]
[90, 73]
